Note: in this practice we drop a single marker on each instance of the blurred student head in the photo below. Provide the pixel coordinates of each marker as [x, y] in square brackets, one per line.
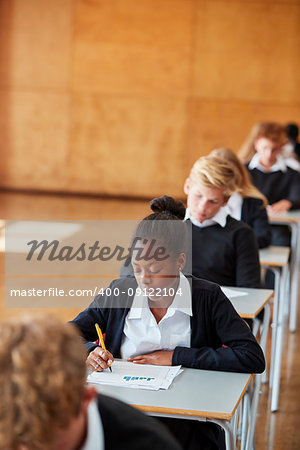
[42, 385]
[210, 184]
[243, 184]
[292, 131]
[267, 140]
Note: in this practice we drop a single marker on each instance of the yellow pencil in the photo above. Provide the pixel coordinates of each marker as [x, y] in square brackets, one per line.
[100, 335]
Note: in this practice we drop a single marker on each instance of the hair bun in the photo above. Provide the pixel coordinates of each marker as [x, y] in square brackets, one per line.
[167, 205]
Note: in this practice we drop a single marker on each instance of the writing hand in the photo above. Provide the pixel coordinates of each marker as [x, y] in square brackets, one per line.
[279, 207]
[159, 358]
[99, 359]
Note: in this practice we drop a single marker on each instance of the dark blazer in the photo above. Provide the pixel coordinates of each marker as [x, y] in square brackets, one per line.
[220, 339]
[225, 255]
[297, 149]
[278, 185]
[126, 428]
[255, 215]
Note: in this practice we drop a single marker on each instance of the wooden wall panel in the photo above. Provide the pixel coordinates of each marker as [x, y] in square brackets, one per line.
[35, 147]
[120, 97]
[122, 145]
[247, 51]
[133, 47]
[6, 20]
[41, 38]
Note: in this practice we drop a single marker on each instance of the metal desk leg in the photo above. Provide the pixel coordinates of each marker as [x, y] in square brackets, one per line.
[295, 259]
[278, 349]
[258, 380]
[264, 337]
[244, 421]
[277, 294]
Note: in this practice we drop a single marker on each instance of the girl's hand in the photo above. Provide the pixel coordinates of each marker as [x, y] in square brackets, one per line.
[159, 358]
[279, 207]
[99, 359]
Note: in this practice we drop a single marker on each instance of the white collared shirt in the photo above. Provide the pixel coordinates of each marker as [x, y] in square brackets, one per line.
[280, 164]
[95, 435]
[219, 218]
[142, 334]
[234, 206]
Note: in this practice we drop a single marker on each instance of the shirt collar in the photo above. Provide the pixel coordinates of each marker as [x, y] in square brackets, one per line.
[280, 164]
[95, 435]
[234, 205]
[182, 300]
[219, 218]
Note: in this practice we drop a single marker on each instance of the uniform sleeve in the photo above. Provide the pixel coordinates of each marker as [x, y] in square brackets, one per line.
[238, 350]
[247, 259]
[294, 194]
[127, 428]
[109, 310]
[260, 225]
[86, 320]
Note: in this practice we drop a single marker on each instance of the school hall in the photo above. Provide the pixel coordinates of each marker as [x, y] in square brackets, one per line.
[108, 104]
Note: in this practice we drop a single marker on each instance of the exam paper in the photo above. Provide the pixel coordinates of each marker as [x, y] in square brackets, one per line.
[141, 376]
[230, 293]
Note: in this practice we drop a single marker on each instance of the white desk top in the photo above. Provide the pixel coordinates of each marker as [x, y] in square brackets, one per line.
[197, 393]
[292, 216]
[249, 306]
[274, 256]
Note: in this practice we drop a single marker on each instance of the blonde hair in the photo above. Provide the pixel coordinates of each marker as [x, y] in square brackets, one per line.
[214, 172]
[243, 184]
[42, 380]
[269, 130]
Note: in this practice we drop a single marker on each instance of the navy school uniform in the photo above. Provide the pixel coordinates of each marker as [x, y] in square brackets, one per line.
[126, 428]
[277, 185]
[255, 215]
[225, 255]
[220, 340]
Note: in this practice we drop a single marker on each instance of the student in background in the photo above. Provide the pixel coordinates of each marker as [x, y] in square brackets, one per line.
[291, 150]
[271, 175]
[45, 403]
[247, 203]
[162, 317]
[224, 250]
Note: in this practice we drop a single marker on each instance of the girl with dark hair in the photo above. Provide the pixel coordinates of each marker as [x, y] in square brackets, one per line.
[163, 317]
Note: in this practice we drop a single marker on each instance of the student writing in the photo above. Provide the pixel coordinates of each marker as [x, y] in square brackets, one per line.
[194, 324]
[271, 175]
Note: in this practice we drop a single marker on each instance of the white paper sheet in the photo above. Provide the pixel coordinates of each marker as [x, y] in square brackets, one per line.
[230, 293]
[141, 376]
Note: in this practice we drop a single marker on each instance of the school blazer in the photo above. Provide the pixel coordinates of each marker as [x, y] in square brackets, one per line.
[255, 215]
[126, 428]
[220, 339]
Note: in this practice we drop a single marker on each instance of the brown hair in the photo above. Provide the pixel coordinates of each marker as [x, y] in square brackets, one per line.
[211, 171]
[270, 130]
[243, 184]
[42, 379]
